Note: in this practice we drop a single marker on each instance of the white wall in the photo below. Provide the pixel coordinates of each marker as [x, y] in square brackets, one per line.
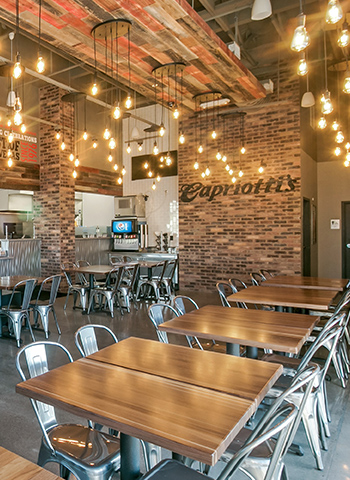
[98, 210]
[162, 203]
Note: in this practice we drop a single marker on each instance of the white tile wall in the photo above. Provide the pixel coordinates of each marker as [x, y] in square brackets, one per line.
[162, 203]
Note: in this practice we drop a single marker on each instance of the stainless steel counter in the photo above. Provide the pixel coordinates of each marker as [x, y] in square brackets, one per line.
[23, 257]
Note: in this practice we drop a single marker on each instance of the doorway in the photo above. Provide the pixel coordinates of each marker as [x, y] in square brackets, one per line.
[345, 221]
[306, 270]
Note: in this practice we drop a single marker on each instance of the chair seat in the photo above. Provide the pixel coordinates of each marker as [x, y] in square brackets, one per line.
[87, 446]
[262, 451]
[173, 470]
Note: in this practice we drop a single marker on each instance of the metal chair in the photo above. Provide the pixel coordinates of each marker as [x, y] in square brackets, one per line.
[257, 278]
[109, 290]
[265, 274]
[225, 289]
[238, 285]
[168, 277]
[86, 341]
[44, 307]
[158, 313]
[113, 259]
[154, 284]
[16, 314]
[129, 285]
[81, 289]
[180, 302]
[85, 452]
[273, 426]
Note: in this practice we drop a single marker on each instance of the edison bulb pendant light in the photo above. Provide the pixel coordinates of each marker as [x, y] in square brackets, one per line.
[322, 123]
[334, 12]
[301, 38]
[40, 64]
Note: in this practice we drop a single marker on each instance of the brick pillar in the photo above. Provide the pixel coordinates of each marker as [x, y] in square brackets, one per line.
[54, 203]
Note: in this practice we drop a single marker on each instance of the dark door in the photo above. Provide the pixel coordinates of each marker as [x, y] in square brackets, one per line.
[346, 239]
[307, 237]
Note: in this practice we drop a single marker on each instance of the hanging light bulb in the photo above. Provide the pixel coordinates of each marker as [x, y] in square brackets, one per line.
[18, 104]
[10, 162]
[9, 152]
[322, 123]
[233, 179]
[176, 113]
[334, 12]
[302, 66]
[17, 69]
[240, 173]
[155, 149]
[150, 173]
[203, 174]
[120, 180]
[74, 174]
[40, 64]
[300, 39]
[168, 160]
[58, 134]
[326, 104]
[123, 172]
[335, 125]
[23, 128]
[94, 89]
[71, 157]
[94, 143]
[154, 186]
[106, 134]
[224, 158]
[11, 137]
[17, 118]
[346, 84]
[76, 162]
[182, 138]
[337, 151]
[161, 159]
[117, 113]
[145, 165]
[63, 145]
[9, 122]
[339, 138]
[243, 150]
[139, 146]
[158, 178]
[344, 37]
[227, 168]
[347, 146]
[218, 156]
[196, 165]
[161, 130]
[112, 143]
[347, 160]
[200, 149]
[128, 148]
[207, 171]
[128, 102]
[110, 157]
[213, 134]
[115, 167]
[85, 135]
[230, 172]
[261, 168]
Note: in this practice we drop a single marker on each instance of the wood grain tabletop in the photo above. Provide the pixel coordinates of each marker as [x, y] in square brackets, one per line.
[14, 467]
[11, 281]
[285, 332]
[239, 376]
[297, 281]
[312, 299]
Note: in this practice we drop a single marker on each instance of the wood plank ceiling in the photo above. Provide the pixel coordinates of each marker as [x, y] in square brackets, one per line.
[162, 31]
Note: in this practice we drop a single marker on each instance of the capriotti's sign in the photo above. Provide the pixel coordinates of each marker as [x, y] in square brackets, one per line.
[24, 147]
[282, 184]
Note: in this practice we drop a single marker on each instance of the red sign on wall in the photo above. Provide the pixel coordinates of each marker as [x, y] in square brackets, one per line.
[24, 147]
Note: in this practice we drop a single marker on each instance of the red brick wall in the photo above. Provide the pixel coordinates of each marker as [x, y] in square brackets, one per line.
[234, 233]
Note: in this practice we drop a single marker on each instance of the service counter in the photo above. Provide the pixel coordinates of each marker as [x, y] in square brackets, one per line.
[23, 257]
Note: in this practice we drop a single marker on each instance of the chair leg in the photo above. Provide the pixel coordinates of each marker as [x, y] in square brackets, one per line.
[29, 326]
[56, 321]
[311, 429]
[65, 305]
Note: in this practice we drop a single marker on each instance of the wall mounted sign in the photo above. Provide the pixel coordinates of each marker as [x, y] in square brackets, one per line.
[139, 171]
[282, 184]
[24, 146]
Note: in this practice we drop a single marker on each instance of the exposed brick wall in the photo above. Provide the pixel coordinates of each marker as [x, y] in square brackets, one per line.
[54, 204]
[253, 223]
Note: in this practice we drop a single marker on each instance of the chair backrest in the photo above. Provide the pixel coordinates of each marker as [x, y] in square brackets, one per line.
[156, 313]
[160, 270]
[170, 270]
[55, 281]
[126, 259]
[131, 275]
[343, 302]
[257, 278]
[277, 426]
[37, 363]
[86, 341]
[238, 285]
[82, 263]
[265, 274]
[114, 278]
[225, 289]
[65, 267]
[115, 259]
[184, 304]
[29, 286]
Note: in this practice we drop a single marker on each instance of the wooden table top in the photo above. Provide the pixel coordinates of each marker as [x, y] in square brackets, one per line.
[297, 281]
[284, 332]
[14, 467]
[188, 367]
[186, 418]
[312, 299]
[11, 281]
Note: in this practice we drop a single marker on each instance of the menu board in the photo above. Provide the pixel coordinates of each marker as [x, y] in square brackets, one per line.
[24, 146]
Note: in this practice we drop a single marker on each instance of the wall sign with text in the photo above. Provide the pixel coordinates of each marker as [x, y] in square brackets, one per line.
[281, 184]
[24, 146]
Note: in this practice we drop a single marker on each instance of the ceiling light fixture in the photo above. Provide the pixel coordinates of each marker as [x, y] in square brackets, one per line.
[300, 38]
[334, 12]
[344, 37]
[326, 103]
[302, 66]
[40, 64]
[261, 9]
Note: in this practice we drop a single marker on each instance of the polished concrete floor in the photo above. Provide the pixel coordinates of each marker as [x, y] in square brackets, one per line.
[19, 430]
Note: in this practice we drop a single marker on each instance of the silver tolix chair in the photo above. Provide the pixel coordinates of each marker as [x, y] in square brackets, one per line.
[17, 314]
[81, 289]
[86, 453]
[108, 291]
[44, 307]
[86, 341]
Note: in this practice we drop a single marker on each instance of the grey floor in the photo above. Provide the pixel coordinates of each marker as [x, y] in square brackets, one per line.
[19, 430]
